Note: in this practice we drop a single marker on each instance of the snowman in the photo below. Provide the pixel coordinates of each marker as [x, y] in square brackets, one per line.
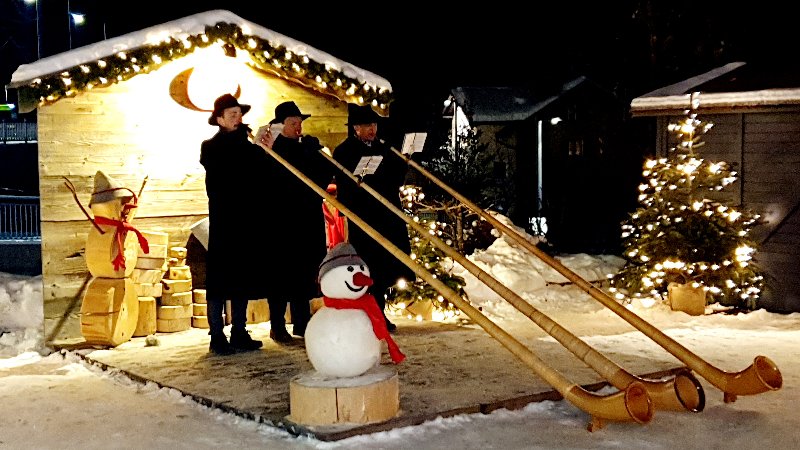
[343, 338]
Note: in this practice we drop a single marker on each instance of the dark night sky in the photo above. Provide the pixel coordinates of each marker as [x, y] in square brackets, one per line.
[424, 49]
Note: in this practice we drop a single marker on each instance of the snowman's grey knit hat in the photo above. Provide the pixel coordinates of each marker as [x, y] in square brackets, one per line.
[342, 254]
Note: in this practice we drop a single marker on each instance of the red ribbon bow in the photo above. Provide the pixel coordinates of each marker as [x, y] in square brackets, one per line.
[334, 225]
[368, 304]
[120, 233]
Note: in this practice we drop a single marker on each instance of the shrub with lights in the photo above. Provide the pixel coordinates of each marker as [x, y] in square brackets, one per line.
[433, 259]
[462, 167]
[681, 235]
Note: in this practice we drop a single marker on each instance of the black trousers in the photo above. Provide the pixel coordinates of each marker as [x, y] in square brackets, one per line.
[300, 310]
[238, 315]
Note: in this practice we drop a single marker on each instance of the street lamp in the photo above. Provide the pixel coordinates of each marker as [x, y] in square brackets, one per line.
[73, 19]
[38, 36]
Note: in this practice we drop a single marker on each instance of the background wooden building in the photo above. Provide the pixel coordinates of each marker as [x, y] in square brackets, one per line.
[136, 106]
[756, 115]
[571, 159]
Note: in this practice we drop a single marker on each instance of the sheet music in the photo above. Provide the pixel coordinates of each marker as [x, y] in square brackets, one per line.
[413, 142]
[367, 165]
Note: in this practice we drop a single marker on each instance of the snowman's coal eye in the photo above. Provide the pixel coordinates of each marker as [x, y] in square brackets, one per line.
[350, 268]
[362, 268]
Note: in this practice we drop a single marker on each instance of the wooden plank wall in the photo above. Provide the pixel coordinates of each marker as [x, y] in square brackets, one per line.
[132, 130]
[766, 149]
[772, 187]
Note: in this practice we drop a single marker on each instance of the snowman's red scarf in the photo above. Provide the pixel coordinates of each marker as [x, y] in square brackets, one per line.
[122, 229]
[368, 304]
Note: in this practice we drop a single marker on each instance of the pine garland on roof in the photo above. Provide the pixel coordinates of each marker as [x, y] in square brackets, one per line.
[264, 55]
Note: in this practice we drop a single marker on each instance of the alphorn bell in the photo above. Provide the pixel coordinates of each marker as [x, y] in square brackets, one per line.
[761, 376]
[632, 403]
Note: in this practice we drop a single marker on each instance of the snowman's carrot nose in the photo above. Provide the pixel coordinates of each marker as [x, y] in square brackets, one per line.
[359, 279]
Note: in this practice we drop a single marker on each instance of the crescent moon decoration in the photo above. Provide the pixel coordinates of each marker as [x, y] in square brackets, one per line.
[179, 91]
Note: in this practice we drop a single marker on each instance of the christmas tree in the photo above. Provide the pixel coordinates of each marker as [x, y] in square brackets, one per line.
[682, 233]
[432, 258]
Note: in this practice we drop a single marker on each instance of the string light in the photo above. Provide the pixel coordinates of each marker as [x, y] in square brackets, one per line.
[679, 235]
[163, 49]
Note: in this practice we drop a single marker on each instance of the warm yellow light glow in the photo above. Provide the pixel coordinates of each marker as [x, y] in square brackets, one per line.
[214, 75]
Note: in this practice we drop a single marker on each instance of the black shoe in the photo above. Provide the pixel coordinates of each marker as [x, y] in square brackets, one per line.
[220, 346]
[298, 331]
[390, 326]
[241, 340]
[281, 336]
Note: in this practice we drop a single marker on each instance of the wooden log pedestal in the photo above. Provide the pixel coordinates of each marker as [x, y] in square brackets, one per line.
[315, 399]
[684, 297]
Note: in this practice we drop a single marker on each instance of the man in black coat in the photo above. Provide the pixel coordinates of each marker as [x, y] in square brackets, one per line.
[236, 170]
[296, 227]
[385, 268]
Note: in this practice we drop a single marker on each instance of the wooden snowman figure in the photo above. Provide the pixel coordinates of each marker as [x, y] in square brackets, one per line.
[110, 307]
[343, 343]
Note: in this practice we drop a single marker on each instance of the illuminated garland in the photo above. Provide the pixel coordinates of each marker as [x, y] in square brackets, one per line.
[264, 55]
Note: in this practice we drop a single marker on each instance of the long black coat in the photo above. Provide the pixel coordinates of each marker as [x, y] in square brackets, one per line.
[249, 256]
[384, 267]
[297, 225]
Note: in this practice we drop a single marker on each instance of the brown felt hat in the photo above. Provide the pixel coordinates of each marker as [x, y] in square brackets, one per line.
[222, 103]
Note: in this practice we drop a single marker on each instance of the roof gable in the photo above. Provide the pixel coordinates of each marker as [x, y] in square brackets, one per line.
[733, 87]
[512, 104]
[118, 59]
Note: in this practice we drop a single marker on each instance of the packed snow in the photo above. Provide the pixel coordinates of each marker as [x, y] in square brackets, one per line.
[55, 400]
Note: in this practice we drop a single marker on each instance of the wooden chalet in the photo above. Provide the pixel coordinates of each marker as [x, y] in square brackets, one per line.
[136, 107]
[569, 160]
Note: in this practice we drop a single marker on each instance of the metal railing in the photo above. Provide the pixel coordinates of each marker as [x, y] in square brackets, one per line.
[12, 132]
[20, 218]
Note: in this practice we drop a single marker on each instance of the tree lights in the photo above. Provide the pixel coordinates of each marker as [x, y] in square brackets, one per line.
[681, 235]
[433, 259]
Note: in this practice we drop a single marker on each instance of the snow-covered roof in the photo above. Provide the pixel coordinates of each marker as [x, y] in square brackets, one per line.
[726, 88]
[508, 104]
[271, 48]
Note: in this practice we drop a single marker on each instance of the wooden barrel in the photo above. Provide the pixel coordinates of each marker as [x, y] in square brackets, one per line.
[684, 297]
[372, 397]
[110, 311]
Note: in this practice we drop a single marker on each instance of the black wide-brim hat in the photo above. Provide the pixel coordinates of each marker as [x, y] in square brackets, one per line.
[224, 102]
[361, 114]
[287, 109]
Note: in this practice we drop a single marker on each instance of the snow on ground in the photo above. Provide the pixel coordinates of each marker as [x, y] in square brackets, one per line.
[57, 401]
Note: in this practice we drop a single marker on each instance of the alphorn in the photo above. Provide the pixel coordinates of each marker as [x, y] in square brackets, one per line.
[632, 403]
[761, 376]
[682, 392]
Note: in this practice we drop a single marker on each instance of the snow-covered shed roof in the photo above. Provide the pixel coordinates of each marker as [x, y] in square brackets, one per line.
[120, 58]
[508, 104]
[734, 86]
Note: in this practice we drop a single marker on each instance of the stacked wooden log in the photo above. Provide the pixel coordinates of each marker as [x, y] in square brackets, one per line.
[147, 275]
[199, 308]
[175, 310]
